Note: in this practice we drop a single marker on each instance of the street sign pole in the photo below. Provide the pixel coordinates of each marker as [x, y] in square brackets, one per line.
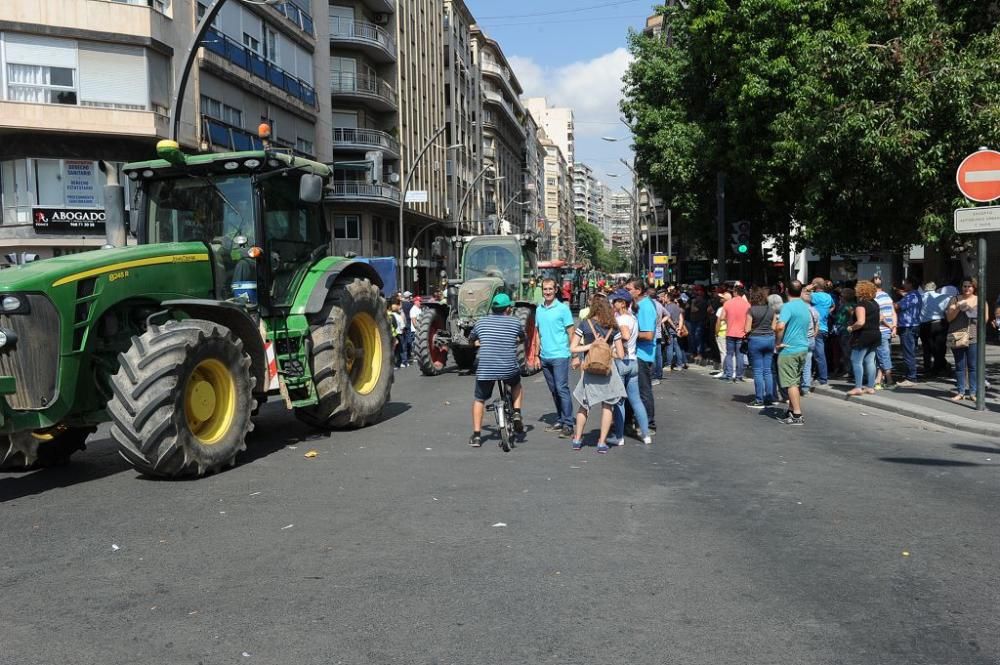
[983, 313]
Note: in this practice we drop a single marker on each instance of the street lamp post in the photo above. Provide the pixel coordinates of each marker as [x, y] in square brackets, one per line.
[402, 203]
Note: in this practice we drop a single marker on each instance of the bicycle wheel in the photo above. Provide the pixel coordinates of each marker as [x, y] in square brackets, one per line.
[503, 415]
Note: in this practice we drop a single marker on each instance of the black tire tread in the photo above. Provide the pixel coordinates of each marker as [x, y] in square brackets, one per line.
[422, 342]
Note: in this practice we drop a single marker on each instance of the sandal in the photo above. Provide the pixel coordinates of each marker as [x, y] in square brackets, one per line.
[577, 445]
[854, 392]
[869, 391]
[957, 398]
[602, 448]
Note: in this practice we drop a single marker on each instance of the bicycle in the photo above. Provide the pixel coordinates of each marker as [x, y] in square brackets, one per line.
[503, 410]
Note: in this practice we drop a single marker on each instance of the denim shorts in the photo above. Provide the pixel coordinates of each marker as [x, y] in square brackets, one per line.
[883, 356]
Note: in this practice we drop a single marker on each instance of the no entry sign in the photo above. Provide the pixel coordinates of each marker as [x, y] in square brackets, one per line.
[979, 176]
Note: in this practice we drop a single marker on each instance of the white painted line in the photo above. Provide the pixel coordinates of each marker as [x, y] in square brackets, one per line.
[982, 176]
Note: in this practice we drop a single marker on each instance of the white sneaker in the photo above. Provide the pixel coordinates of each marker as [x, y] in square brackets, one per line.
[648, 440]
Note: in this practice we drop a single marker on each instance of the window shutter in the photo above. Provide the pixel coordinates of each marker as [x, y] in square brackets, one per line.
[113, 75]
[36, 50]
[160, 87]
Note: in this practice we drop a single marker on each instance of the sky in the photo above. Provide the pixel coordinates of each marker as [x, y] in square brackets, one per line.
[573, 52]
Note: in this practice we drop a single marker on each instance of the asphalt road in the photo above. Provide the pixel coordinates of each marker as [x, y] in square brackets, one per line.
[860, 538]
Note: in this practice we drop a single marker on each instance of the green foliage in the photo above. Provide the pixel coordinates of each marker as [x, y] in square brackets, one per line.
[840, 121]
[590, 241]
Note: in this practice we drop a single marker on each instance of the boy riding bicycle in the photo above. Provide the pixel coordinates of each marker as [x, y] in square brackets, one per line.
[497, 336]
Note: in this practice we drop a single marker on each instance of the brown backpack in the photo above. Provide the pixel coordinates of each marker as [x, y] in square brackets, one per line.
[599, 357]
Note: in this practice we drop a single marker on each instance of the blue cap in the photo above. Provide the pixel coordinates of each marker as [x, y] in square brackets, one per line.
[622, 294]
[501, 301]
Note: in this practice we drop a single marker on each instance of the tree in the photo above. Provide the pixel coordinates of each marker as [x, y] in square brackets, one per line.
[590, 240]
[839, 122]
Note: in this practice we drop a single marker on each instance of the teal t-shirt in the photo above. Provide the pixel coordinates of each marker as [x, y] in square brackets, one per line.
[645, 349]
[552, 323]
[797, 319]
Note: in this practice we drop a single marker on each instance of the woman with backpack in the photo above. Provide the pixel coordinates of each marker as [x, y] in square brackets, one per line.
[599, 339]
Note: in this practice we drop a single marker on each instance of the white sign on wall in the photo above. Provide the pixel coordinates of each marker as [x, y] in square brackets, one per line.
[80, 190]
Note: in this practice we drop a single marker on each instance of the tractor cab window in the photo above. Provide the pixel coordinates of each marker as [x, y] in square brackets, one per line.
[497, 258]
[216, 211]
[295, 235]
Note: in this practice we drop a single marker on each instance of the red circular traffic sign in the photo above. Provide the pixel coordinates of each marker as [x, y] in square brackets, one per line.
[978, 176]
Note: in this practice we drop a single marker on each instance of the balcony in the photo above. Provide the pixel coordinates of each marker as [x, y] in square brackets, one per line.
[297, 16]
[374, 41]
[347, 138]
[370, 90]
[362, 192]
[502, 73]
[239, 55]
[496, 98]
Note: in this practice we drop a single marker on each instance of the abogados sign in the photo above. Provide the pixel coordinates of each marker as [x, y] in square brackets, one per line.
[68, 220]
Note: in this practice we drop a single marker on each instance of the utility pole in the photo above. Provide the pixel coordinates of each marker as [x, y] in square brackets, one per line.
[720, 204]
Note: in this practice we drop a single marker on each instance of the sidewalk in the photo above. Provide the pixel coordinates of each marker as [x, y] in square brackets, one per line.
[929, 401]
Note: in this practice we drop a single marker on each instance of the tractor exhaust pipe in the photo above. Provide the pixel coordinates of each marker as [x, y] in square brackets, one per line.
[114, 207]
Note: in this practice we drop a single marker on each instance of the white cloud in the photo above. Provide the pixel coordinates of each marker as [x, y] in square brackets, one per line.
[592, 88]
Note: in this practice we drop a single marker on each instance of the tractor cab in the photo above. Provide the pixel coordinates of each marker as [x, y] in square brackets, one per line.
[258, 213]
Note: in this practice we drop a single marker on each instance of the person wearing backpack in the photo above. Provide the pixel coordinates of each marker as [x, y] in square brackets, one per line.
[600, 340]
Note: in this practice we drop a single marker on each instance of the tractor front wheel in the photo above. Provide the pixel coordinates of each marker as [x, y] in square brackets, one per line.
[431, 355]
[351, 358]
[41, 448]
[182, 399]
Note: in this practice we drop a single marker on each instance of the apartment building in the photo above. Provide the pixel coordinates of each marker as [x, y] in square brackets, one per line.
[532, 202]
[557, 123]
[622, 221]
[84, 81]
[463, 108]
[503, 132]
[559, 203]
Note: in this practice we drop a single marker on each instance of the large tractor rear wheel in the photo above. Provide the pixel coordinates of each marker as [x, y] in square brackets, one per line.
[351, 358]
[42, 448]
[182, 399]
[431, 355]
[527, 351]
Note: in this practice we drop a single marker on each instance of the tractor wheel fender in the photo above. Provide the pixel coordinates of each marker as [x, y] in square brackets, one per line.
[242, 326]
[339, 274]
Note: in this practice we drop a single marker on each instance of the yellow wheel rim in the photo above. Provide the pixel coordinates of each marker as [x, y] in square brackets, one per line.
[210, 401]
[363, 353]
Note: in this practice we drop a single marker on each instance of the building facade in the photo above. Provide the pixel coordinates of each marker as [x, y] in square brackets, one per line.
[89, 81]
[503, 132]
[533, 197]
[559, 203]
[622, 222]
[557, 123]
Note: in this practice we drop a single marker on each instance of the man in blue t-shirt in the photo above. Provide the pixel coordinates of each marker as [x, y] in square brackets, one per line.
[645, 346]
[823, 303]
[792, 334]
[554, 323]
[497, 336]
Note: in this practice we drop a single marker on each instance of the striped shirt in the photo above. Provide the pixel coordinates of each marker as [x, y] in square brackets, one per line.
[498, 336]
[886, 312]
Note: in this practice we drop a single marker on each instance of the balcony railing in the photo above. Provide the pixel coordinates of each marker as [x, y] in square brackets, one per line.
[244, 58]
[363, 191]
[222, 136]
[298, 16]
[362, 32]
[365, 138]
[349, 83]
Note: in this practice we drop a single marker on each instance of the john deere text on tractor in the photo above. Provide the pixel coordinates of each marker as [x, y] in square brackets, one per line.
[228, 298]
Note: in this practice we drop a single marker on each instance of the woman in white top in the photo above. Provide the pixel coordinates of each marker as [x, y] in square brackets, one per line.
[628, 370]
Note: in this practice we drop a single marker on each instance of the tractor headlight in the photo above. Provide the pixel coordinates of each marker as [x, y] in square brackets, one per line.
[10, 304]
[3, 339]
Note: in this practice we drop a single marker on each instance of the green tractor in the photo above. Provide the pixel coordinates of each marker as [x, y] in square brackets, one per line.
[490, 265]
[228, 298]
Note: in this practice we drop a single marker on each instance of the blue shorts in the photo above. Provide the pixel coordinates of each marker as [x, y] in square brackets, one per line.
[484, 388]
[883, 356]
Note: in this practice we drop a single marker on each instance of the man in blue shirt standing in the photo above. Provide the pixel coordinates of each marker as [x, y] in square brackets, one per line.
[554, 323]
[823, 304]
[792, 335]
[645, 346]
[908, 327]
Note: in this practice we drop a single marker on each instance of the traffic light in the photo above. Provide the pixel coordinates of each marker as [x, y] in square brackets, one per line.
[740, 238]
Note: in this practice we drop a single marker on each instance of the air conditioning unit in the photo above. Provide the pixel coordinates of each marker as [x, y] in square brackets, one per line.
[382, 19]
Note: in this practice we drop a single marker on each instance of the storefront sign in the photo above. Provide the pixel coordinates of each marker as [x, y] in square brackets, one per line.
[68, 220]
[79, 189]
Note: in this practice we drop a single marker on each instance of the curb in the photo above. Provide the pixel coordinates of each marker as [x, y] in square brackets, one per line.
[917, 413]
[942, 419]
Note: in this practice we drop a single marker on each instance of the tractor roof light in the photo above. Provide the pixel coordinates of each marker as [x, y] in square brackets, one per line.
[170, 151]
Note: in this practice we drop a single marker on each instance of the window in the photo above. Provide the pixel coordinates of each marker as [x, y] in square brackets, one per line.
[113, 76]
[304, 146]
[251, 43]
[347, 227]
[41, 84]
[271, 46]
[213, 108]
